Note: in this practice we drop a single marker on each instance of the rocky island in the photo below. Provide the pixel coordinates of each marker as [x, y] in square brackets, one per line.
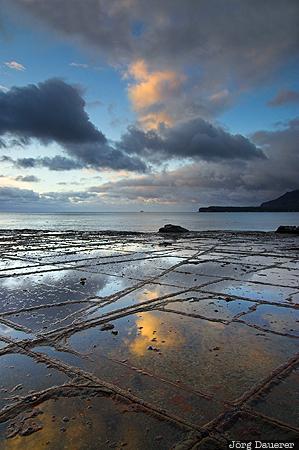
[288, 202]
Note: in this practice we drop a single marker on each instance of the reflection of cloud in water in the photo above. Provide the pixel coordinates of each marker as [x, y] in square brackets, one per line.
[16, 283]
[109, 285]
[61, 278]
[148, 322]
[33, 280]
[51, 431]
[153, 325]
[92, 424]
[77, 431]
[4, 329]
[151, 322]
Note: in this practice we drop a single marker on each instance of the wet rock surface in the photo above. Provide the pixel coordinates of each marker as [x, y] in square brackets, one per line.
[124, 340]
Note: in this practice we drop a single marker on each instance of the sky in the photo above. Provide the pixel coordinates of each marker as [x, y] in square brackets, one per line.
[122, 105]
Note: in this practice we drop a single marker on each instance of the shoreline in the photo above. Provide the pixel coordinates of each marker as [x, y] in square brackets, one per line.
[151, 233]
[150, 223]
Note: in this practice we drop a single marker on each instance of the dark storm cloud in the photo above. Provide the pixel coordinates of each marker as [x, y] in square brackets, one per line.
[53, 111]
[227, 181]
[281, 148]
[12, 198]
[197, 139]
[57, 163]
[222, 46]
[61, 163]
[91, 156]
[284, 97]
[27, 178]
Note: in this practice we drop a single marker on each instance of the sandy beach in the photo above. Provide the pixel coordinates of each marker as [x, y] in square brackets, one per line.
[147, 341]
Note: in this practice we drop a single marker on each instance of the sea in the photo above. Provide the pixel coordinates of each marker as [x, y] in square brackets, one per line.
[148, 221]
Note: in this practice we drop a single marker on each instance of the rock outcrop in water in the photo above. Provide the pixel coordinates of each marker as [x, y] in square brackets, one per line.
[287, 229]
[169, 228]
[288, 202]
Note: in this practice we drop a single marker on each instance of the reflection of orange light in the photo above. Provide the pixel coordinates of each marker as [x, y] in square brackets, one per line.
[154, 293]
[36, 440]
[73, 438]
[148, 322]
[85, 426]
[257, 357]
[218, 325]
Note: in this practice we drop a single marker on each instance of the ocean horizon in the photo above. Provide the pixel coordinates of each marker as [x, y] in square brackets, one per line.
[148, 221]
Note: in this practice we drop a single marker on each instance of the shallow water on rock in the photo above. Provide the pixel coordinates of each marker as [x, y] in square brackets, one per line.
[136, 341]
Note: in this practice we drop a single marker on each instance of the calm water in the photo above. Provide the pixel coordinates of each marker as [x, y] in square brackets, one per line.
[149, 221]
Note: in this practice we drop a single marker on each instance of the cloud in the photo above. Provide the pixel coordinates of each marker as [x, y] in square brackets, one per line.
[191, 184]
[281, 148]
[196, 139]
[71, 183]
[15, 65]
[53, 111]
[175, 31]
[59, 163]
[183, 60]
[284, 97]
[72, 197]
[12, 198]
[80, 65]
[16, 199]
[225, 181]
[27, 178]
[198, 183]
[56, 163]
[150, 91]
[221, 49]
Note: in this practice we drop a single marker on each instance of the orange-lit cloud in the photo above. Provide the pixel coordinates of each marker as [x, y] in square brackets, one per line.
[150, 90]
[11, 182]
[153, 120]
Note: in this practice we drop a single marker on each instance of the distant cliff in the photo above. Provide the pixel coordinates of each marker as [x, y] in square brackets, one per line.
[288, 202]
